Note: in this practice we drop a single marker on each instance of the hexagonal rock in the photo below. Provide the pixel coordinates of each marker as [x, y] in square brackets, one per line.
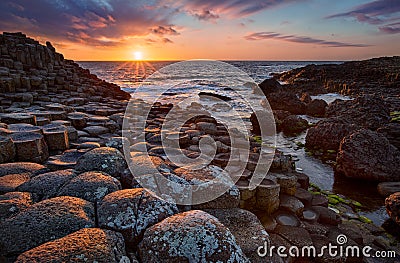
[85, 245]
[47, 185]
[193, 236]
[22, 167]
[30, 147]
[78, 120]
[23, 127]
[7, 149]
[104, 159]
[203, 178]
[56, 137]
[11, 118]
[13, 202]
[67, 160]
[247, 229]
[96, 130]
[10, 182]
[91, 186]
[44, 221]
[132, 211]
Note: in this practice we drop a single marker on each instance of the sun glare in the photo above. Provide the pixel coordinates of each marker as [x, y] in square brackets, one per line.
[138, 55]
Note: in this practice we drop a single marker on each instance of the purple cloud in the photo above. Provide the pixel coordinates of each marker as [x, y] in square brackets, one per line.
[375, 13]
[214, 9]
[299, 39]
[164, 30]
[390, 28]
[92, 22]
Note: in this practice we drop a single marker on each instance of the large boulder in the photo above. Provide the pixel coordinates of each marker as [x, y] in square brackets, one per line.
[46, 185]
[91, 186]
[131, 211]
[368, 155]
[247, 229]
[104, 159]
[392, 204]
[193, 236]
[22, 167]
[368, 111]
[44, 221]
[85, 245]
[288, 101]
[327, 134]
[14, 202]
[293, 125]
[270, 85]
[316, 108]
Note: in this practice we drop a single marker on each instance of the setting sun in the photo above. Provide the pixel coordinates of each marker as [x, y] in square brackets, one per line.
[138, 55]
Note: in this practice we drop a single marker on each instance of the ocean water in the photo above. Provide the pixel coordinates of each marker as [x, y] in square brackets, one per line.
[180, 83]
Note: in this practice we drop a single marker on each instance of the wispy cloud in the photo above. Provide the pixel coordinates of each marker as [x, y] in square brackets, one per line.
[375, 13]
[390, 28]
[164, 30]
[299, 39]
[214, 9]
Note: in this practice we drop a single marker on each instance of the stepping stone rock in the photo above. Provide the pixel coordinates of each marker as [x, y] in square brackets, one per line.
[96, 130]
[45, 186]
[89, 145]
[286, 219]
[78, 120]
[10, 182]
[56, 137]
[268, 196]
[7, 149]
[12, 118]
[193, 236]
[85, 245]
[248, 231]
[23, 127]
[287, 183]
[12, 203]
[319, 200]
[327, 216]
[132, 211]
[22, 167]
[30, 147]
[90, 186]
[117, 143]
[44, 221]
[292, 204]
[104, 159]
[67, 160]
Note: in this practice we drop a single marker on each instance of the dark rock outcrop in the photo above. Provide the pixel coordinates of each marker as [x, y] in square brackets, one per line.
[368, 155]
[392, 204]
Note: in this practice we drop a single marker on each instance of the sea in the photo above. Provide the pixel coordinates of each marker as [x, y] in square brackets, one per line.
[180, 82]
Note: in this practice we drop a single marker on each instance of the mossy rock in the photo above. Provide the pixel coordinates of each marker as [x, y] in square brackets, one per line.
[365, 219]
[332, 201]
[331, 151]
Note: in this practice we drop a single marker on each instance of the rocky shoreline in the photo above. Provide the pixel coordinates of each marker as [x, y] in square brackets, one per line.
[67, 193]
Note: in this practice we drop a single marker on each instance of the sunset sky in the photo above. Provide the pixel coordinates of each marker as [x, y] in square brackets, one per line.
[219, 29]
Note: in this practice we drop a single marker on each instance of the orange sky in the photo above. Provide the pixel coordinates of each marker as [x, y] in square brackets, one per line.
[200, 29]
